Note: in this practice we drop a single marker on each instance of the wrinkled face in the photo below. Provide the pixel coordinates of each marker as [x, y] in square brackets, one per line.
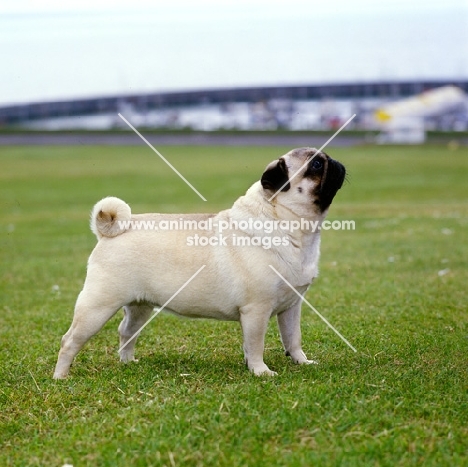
[307, 184]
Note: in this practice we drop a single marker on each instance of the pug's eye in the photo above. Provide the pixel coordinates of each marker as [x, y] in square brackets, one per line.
[317, 164]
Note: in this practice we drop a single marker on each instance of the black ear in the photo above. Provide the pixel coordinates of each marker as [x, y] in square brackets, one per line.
[275, 176]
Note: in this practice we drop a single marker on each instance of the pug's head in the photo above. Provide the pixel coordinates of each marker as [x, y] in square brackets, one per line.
[304, 181]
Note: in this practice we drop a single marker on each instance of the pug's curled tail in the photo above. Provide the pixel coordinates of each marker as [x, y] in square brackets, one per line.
[110, 217]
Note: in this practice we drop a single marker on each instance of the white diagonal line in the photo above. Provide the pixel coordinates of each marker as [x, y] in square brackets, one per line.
[162, 157]
[314, 310]
[308, 160]
[162, 308]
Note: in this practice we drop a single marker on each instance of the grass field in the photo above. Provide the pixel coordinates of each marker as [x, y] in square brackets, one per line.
[396, 288]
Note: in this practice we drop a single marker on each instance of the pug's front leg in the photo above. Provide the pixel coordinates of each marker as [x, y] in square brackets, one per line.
[254, 322]
[289, 323]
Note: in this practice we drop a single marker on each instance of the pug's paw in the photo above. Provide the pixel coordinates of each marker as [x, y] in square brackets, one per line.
[300, 358]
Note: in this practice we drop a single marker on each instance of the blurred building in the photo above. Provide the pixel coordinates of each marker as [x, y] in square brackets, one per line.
[406, 120]
[315, 107]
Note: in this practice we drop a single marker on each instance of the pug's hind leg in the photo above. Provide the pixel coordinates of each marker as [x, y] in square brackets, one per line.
[289, 323]
[90, 316]
[135, 317]
[254, 322]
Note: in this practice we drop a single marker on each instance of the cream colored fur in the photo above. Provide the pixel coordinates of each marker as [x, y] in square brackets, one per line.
[142, 269]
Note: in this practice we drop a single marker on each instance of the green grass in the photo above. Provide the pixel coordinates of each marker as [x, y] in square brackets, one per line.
[401, 400]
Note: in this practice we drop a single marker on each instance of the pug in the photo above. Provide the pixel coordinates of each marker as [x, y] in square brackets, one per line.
[139, 265]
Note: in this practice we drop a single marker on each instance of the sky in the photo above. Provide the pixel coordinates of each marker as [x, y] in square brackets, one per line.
[54, 50]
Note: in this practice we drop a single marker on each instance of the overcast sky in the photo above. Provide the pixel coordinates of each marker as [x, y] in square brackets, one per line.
[53, 50]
